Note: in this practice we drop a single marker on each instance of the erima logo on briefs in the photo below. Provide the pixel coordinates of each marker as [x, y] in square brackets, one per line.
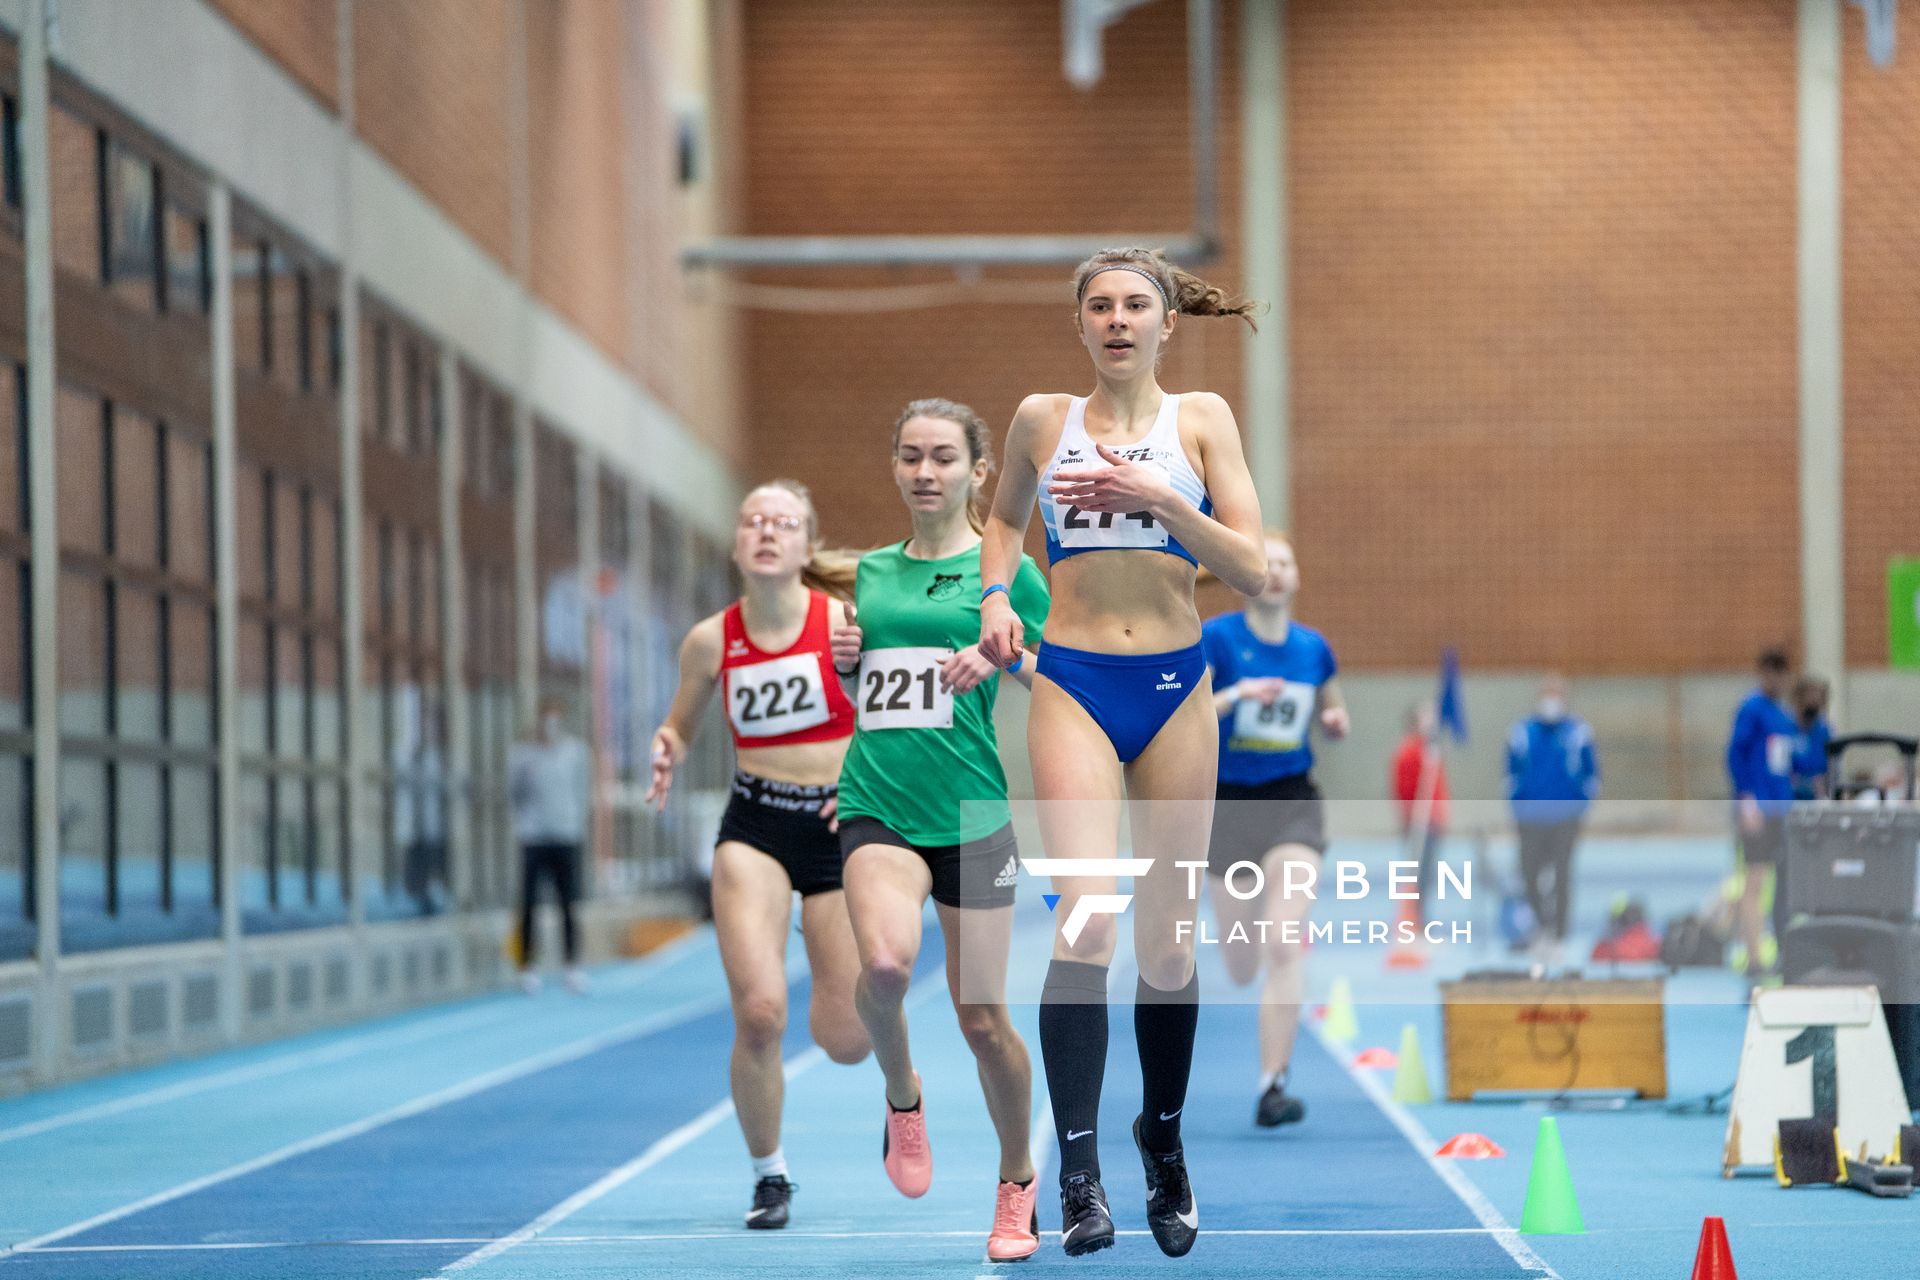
[1169, 680]
[1087, 905]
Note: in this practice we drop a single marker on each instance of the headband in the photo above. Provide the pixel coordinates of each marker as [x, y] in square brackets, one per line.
[1142, 272]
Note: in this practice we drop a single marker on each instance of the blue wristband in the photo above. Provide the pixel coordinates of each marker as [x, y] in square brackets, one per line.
[1001, 587]
[1018, 659]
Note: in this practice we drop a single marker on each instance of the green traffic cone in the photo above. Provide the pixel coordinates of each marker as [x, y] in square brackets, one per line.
[1410, 1086]
[1551, 1209]
[1341, 1026]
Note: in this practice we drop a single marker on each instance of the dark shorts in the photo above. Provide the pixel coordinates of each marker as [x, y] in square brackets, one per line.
[1766, 847]
[977, 875]
[1248, 821]
[782, 820]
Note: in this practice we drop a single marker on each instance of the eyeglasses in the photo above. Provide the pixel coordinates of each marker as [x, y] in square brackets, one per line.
[760, 523]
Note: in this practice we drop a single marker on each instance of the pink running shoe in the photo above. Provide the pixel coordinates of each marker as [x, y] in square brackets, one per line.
[904, 1150]
[1016, 1223]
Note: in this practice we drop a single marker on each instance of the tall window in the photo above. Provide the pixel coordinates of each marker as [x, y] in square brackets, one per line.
[486, 532]
[16, 825]
[136, 665]
[621, 753]
[291, 704]
[401, 602]
[560, 593]
[138, 841]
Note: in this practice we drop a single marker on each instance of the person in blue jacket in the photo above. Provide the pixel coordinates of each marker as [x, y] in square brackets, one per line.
[1553, 775]
[1810, 744]
[1760, 763]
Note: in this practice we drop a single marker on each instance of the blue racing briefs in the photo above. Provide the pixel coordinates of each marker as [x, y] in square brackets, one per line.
[1128, 695]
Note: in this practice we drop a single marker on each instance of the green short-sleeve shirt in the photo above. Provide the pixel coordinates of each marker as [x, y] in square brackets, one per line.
[917, 780]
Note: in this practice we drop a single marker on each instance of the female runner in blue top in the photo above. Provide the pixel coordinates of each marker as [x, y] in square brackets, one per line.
[1273, 680]
[1137, 487]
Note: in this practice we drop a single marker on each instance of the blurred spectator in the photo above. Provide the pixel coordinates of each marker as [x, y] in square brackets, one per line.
[1760, 763]
[547, 779]
[1420, 785]
[1552, 777]
[1810, 744]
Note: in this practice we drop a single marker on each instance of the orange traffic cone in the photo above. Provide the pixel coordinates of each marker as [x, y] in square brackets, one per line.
[1713, 1260]
[1471, 1146]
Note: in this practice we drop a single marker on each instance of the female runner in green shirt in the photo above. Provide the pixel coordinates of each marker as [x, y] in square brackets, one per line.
[923, 800]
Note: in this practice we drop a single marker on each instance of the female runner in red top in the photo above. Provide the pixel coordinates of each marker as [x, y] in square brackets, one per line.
[771, 652]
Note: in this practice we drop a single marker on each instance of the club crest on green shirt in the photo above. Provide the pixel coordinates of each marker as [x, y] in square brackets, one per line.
[945, 586]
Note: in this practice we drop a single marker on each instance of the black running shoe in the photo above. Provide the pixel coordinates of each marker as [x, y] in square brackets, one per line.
[1277, 1107]
[1172, 1213]
[1085, 1224]
[772, 1197]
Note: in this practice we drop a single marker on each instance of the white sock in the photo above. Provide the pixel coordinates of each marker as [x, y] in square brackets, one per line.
[1270, 1078]
[773, 1166]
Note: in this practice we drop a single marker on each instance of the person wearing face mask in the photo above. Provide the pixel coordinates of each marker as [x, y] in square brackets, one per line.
[1810, 744]
[1553, 775]
[547, 779]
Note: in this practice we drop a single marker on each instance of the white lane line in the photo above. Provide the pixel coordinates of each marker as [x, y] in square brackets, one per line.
[1448, 1172]
[552, 1241]
[465, 1089]
[660, 1150]
[433, 1027]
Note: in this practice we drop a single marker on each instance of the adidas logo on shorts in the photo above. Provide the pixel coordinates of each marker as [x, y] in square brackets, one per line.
[1009, 876]
[1169, 680]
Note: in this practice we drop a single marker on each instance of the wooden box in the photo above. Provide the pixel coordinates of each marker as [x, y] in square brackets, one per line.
[1553, 1036]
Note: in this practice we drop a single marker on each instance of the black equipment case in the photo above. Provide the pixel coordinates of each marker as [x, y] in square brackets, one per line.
[1844, 859]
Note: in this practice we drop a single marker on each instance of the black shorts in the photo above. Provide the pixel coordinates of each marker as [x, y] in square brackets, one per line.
[979, 874]
[782, 820]
[1766, 847]
[1248, 821]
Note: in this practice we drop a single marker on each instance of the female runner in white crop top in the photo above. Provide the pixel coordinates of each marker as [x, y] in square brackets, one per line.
[1121, 708]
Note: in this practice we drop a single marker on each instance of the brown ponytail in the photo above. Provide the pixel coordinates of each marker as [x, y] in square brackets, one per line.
[1181, 290]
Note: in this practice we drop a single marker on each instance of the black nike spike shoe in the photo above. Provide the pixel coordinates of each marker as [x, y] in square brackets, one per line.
[1172, 1213]
[772, 1199]
[1086, 1226]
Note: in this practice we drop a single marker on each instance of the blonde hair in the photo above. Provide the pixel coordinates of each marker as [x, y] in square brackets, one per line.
[828, 569]
[972, 427]
[1181, 290]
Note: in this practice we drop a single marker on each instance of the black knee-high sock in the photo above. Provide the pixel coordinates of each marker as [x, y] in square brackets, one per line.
[1073, 1044]
[1163, 1027]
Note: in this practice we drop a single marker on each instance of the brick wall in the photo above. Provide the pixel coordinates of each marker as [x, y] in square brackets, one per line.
[430, 88]
[1543, 296]
[981, 134]
[1880, 209]
[433, 83]
[301, 35]
[1544, 330]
